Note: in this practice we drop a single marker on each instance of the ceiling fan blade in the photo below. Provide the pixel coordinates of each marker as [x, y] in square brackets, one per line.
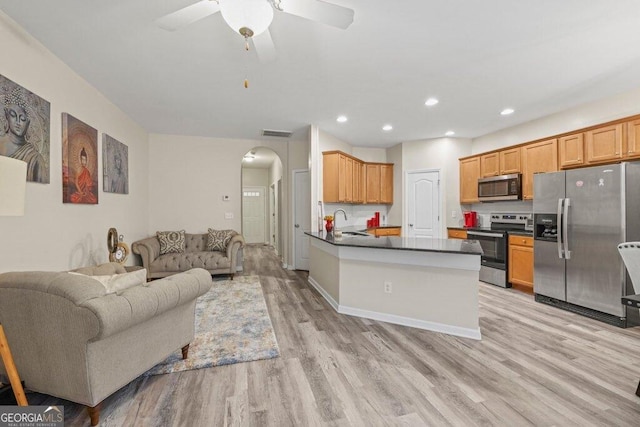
[188, 15]
[319, 11]
[265, 48]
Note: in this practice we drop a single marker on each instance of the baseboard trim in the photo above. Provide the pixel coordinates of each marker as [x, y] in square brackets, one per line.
[398, 320]
[414, 323]
[333, 303]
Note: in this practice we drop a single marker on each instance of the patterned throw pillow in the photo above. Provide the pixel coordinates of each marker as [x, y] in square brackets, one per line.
[219, 239]
[171, 242]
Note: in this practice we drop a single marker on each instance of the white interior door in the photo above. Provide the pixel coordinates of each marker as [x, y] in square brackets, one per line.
[301, 218]
[423, 204]
[254, 214]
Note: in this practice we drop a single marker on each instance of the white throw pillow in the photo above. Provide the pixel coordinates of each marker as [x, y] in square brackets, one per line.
[117, 283]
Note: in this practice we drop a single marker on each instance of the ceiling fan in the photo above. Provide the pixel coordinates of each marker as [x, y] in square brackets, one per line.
[251, 18]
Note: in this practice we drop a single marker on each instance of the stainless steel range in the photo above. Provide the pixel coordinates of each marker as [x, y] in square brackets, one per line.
[494, 242]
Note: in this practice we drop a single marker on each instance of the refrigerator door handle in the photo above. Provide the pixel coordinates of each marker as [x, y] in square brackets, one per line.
[559, 224]
[565, 229]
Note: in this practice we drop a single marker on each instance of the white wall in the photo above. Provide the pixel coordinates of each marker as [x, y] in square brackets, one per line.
[395, 212]
[255, 177]
[52, 235]
[329, 142]
[593, 113]
[371, 155]
[441, 154]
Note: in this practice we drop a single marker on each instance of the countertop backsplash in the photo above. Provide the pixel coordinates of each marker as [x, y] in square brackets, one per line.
[357, 215]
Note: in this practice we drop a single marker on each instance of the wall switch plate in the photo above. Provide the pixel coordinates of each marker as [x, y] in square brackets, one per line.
[228, 215]
[387, 287]
[454, 214]
[226, 198]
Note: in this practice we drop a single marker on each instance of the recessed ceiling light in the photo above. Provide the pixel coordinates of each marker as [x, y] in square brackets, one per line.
[387, 128]
[450, 133]
[431, 102]
[507, 111]
[341, 119]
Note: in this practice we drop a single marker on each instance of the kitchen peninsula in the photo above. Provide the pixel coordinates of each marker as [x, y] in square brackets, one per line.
[424, 283]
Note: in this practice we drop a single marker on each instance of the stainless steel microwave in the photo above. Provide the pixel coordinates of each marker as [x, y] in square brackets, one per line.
[503, 187]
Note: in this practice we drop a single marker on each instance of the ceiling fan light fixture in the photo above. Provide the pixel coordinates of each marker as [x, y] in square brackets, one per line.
[242, 15]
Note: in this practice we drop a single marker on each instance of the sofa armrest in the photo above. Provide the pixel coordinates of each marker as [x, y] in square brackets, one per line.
[234, 245]
[116, 313]
[148, 249]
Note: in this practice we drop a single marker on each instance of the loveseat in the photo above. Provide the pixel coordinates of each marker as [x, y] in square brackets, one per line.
[195, 255]
[73, 340]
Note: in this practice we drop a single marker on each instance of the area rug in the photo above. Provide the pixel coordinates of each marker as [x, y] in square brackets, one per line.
[232, 326]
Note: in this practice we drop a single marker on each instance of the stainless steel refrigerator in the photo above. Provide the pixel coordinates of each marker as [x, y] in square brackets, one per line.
[580, 217]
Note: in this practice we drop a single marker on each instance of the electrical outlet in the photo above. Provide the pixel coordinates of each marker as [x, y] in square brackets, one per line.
[228, 215]
[387, 287]
[454, 214]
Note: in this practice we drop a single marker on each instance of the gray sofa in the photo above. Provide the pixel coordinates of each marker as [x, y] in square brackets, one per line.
[195, 255]
[71, 340]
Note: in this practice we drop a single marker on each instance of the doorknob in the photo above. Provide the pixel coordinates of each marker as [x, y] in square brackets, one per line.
[410, 225]
[297, 225]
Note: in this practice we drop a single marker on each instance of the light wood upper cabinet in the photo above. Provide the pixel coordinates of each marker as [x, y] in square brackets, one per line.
[633, 139]
[338, 177]
[537, 158]
[571, 150]
[604, 144]
[373, 183]
[358, 182]
[469, 174]
[346, 179]
[386, 183]
[490, 165]
[510, 161]
[379, 179]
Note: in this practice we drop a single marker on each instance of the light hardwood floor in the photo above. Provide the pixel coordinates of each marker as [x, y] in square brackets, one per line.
[535, 365]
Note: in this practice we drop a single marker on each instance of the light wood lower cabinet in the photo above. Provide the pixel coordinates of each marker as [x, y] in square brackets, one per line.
[453, 233]
[521, 261]
[387, 231]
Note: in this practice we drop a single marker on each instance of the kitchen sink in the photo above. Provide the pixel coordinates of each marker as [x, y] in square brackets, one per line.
[356, 233]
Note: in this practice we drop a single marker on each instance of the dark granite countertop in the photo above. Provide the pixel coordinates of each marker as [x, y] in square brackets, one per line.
[521, 233]
[382, 226]
[455, 246]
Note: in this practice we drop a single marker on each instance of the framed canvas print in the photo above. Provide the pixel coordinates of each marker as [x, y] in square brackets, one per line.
[115, 165]
[24, 129]
[79, 162]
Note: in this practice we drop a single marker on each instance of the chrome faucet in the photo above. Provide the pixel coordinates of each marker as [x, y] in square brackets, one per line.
[335, 217]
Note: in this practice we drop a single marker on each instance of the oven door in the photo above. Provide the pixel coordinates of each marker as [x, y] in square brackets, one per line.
[494, 247]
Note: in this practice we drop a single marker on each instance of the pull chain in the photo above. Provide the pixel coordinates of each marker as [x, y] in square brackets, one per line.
[246, 47]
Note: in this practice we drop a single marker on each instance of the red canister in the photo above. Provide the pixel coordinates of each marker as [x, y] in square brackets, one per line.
[470, 219]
